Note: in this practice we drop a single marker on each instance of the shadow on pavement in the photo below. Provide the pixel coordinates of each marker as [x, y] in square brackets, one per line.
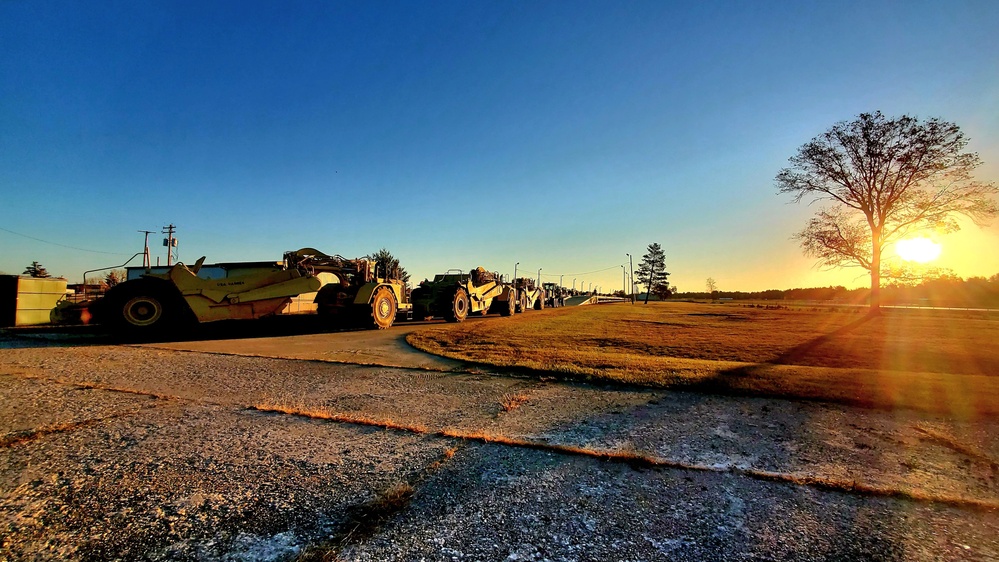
[276, 326]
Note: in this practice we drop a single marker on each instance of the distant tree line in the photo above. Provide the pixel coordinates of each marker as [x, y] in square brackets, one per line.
[946, 290]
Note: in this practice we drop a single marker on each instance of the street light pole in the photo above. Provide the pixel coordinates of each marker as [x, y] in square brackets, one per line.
[631, 264]
[573, 283]
[539, 277]
[624, 279]
[515, 271]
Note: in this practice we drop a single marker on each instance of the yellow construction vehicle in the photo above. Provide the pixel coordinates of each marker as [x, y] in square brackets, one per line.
[528, 295]
[353, 291]
[453, 295]
[345, 290]
[555, 295]
[156, 302]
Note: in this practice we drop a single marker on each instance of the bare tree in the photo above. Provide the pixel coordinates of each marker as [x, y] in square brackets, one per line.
[711, 286]
[887, 178]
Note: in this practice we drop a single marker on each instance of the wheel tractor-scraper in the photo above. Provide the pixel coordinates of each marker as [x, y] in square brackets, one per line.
[454, 295]
[346, 290]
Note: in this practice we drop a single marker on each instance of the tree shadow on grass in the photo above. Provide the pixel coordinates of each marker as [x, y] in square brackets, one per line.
[874, 382]
[798, 353]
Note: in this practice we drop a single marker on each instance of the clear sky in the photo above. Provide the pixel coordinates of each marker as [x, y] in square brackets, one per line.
[557, 134]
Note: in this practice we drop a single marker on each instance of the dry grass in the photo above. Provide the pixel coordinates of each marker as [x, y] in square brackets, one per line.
[957, 445]
[939, 361]
[26, 436]
[361, 522]
[18, 437]
[513, 401]
[324, 413]
[92, 386]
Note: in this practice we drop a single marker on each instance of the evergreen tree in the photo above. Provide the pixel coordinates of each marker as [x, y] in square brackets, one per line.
[36, 270]
[652, 269]
[387, 263]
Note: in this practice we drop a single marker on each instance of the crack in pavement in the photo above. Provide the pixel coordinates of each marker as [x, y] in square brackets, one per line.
[641, 461]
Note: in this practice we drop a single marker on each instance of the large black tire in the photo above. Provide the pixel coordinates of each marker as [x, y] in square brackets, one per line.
[458, 311]
[144, 312]
[539, 304]
[522, 304]
[507, 307]
[383, 309]
[326, 302]
[420, 309]
[141, 309]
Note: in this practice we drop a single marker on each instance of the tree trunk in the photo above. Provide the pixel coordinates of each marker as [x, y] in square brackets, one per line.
[876, 274]
[649, 289]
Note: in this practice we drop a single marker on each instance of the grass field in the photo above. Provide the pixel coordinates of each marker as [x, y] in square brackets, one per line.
[931, 360]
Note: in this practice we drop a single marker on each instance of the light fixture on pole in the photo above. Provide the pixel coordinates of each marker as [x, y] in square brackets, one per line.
[515, 271]
[631, 277]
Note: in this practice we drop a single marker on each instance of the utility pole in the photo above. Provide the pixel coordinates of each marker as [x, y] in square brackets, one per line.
[169, 242]
[145, 249]
[573, 283]
[624, 279]
[539, 277]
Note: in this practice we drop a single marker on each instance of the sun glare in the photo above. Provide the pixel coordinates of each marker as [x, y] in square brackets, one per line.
[920, 250]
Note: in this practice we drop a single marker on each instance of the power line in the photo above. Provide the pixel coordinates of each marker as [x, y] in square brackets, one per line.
[62, 245]
[552, 275]
[588, 272]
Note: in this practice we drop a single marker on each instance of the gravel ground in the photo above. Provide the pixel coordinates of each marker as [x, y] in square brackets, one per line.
[148, 453]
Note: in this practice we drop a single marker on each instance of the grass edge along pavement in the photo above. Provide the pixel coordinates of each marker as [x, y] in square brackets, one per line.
[610, 344]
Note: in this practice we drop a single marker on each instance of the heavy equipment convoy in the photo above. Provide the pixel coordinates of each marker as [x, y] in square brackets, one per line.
[454, 295]
[345, 290]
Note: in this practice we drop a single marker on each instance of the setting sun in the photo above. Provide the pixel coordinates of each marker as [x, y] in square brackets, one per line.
[920, 250]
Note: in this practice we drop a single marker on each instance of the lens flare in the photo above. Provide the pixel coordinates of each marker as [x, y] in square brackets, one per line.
[919, 250]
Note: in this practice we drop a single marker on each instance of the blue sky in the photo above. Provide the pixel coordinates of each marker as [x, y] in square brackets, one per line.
[560, 135]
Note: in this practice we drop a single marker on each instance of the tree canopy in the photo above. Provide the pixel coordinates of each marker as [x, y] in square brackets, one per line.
[885, 179]
[385, 261]
[36, 270]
